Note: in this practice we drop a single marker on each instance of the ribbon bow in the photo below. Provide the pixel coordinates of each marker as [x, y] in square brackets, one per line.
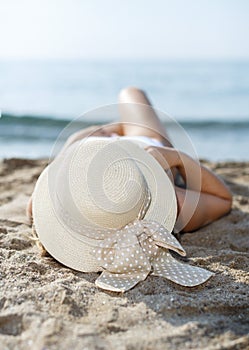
[138, 249]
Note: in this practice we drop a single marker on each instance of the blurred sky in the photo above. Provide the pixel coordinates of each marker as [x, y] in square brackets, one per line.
[131, 29]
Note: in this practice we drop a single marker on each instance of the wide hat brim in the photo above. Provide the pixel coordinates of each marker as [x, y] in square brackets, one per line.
[75, 253]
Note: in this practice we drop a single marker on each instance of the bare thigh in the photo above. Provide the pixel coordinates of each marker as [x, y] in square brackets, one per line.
[139, 118]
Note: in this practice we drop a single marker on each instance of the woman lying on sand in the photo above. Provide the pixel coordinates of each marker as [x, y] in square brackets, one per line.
[215, 199]
[110, 200]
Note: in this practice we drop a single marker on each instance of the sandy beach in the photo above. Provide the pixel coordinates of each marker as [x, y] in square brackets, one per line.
[44, 305]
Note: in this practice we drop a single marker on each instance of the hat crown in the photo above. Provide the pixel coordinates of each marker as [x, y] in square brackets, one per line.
[104, 184]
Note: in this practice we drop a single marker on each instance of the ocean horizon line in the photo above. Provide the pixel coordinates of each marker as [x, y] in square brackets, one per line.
[26, 118]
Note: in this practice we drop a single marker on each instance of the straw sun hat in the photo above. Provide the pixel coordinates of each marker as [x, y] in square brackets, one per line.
[107, 205]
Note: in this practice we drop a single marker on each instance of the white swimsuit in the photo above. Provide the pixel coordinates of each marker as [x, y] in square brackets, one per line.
[142, 139]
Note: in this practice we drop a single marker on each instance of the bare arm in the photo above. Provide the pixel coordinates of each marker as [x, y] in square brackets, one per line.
[204, 188]
[210, 183]
[199, 209]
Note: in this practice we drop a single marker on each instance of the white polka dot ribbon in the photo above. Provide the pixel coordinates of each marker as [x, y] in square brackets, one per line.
[138, 249]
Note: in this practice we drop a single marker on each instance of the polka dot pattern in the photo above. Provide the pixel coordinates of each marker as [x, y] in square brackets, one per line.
[139, 248]
[186, 275]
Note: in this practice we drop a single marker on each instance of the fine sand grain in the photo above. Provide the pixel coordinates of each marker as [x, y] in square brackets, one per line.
[44, 305]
